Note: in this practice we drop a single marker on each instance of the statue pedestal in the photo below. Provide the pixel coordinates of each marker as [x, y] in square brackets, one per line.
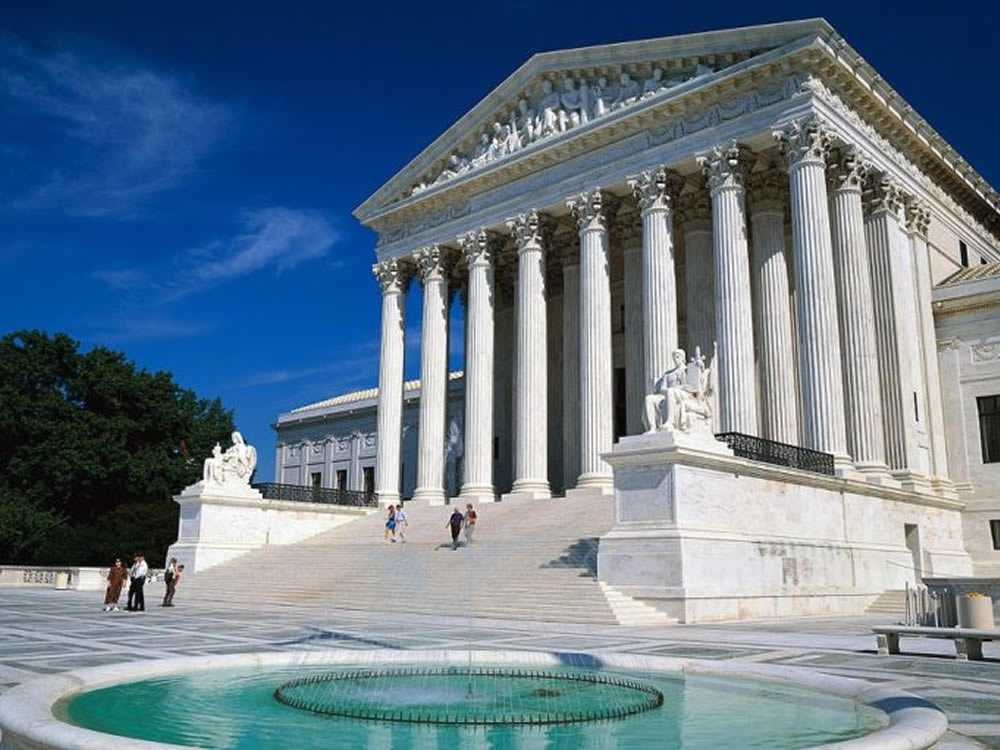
[220, 522]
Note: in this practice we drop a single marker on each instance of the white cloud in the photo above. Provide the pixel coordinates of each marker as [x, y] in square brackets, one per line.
[141, 327]
[125, 279]
[98, 138]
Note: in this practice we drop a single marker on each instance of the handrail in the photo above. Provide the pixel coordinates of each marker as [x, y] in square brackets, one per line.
[779, 454]
[297, 493]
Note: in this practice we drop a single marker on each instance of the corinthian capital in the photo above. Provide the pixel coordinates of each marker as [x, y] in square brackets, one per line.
[883, 193]
[430, 262]
[918, 217]
[806, 139]
[655, 189]
[725, 166]
[391, 276]
[527, 229]
[846, 169]
[476, 247]
[589, 210]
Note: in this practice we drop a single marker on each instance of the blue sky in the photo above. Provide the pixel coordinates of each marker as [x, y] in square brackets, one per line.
[176, 179]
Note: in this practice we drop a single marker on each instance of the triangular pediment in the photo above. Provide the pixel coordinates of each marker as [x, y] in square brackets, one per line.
[554, 93]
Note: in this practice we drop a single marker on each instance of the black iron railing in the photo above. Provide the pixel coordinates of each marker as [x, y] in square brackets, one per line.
[780, 454]
[297, 493]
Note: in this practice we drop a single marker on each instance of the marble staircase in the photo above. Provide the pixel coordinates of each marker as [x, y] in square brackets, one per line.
[530, 560]
[889, 602]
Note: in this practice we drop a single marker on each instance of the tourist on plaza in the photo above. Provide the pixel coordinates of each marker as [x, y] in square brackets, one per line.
[401, 523]
[390, 524]
[168, 599]
[455, 522]
[137, 574]
[116, 579]
[470, 522]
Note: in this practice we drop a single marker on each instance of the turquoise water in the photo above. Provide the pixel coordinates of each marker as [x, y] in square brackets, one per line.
[235, 708]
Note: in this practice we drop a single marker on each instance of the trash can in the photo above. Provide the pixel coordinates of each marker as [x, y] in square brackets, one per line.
[62, 580]
[975, 611]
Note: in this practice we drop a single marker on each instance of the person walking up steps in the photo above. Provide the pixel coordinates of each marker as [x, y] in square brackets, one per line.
[455, 522]
[390, 524]
[470, 522]
[401, 523]
[116, 579]
[138, 571]
[168, 600]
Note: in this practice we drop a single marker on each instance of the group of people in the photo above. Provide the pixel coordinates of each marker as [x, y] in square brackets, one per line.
[396, 524]
[135, 578]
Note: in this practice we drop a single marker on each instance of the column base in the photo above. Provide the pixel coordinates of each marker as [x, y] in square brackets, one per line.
[534, 487]
[433, 495]
[596, 490]
[843, 466]
[600, 482]
[477, 494]
[388, 498]
[875, 473]
[945, 487]
[911, 481]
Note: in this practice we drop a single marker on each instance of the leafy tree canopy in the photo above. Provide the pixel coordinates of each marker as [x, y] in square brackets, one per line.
[92, 449]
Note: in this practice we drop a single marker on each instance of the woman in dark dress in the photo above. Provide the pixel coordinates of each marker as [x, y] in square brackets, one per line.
[116, 578]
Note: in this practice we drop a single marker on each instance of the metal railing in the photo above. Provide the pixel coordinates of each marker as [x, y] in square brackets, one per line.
[297, 493]
[780, 454]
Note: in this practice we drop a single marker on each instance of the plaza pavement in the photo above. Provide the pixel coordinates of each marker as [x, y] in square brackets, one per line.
[44, 631]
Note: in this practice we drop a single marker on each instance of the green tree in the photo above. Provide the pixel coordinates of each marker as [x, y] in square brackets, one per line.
[92, 449]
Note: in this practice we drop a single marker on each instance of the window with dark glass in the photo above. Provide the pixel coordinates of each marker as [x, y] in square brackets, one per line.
[317, 480]
[995, 532]
[989, 427]
[369, 472]
[963, 252]
[341, 479]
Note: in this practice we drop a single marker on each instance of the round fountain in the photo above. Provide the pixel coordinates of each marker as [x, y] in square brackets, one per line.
[444, 699]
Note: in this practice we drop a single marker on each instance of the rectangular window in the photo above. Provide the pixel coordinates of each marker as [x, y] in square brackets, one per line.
[317, 480]
[369, 472]
[995, 532]
[989, 427]
[916, 407]
[341, 479]
[963, 253]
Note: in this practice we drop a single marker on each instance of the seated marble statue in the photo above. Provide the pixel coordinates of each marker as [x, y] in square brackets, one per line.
[680, 394]
[236, 464]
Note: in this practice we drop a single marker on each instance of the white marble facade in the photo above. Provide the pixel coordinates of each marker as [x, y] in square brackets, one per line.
[758, 198]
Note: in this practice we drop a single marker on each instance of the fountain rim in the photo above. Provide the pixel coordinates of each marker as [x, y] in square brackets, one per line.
[27, 720]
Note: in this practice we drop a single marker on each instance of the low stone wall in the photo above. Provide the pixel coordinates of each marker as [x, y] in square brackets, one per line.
[705, 536]
[215, 528]
[33, 576]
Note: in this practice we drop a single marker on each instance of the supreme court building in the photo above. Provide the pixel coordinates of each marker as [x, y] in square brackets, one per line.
[759, 198]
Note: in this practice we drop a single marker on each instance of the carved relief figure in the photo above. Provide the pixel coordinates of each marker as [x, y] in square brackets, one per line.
[601, 96]
[628, 91]
[574, 102]
[654, 84]
[678, 395]
[548, 105]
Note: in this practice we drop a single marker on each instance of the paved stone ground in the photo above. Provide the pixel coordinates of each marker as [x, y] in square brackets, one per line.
[44, 631]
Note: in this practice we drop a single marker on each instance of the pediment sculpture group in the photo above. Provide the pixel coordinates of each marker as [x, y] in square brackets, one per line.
[681, 397]
[555, 111]
[235, 465]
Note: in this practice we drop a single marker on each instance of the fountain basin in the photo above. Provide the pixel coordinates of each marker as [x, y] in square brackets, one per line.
[707, 704]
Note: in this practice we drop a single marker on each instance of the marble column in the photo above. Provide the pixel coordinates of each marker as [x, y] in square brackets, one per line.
[571, 370]
[695, 211]
[724, 168]
[433, 377]
[918, 220]
[389, 419]
[863, 402]
[805, 143]
[531, 383]
[596, 382]
[477, 485]
[779, 411]
[887, 247]
[656, 190]
[628, 228]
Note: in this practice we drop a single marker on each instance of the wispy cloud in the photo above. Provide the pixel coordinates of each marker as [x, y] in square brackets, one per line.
[144, 327]
[127, 278]
[98, 137]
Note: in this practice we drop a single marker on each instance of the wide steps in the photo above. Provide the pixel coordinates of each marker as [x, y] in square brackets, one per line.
[890, 602]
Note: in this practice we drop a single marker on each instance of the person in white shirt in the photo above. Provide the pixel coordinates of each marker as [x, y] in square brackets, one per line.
[137, 574]
[401, 523]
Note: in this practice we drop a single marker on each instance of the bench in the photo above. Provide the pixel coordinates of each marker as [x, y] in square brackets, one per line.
[968, 641]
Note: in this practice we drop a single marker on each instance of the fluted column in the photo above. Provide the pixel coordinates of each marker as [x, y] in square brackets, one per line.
[596, 385]
[531, 383]
[724, 168]
[433, 377]
[389, 419]
[821, 377]
[629, 230]
[863, 402]
[571, 371]
[779, 411]
[699, 276]
[655, 190]
[478, 481]
[893, 328]
[918, 219]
